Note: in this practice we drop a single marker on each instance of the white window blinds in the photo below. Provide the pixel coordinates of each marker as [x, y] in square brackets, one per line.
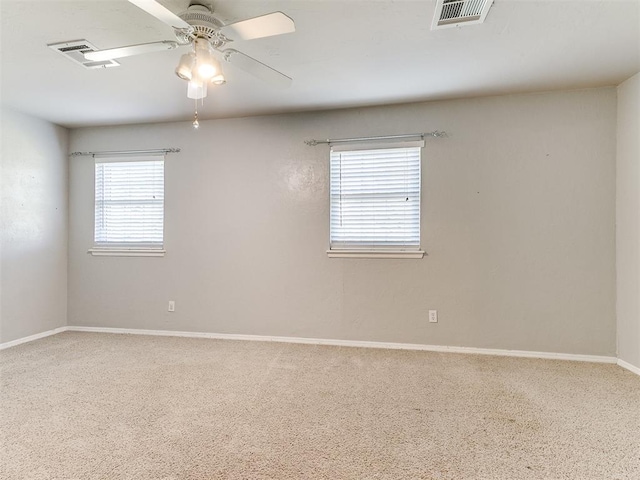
[129, 202]
[375, 197]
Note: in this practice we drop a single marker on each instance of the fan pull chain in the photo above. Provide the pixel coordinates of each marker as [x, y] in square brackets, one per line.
[195, 123]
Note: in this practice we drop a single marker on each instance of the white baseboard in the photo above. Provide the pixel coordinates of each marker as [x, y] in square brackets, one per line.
[628, 366]
[31, 338]
[356, 343]
[338, 343]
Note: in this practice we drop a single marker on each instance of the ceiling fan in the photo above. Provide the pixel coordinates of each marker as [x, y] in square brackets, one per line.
[199, 28]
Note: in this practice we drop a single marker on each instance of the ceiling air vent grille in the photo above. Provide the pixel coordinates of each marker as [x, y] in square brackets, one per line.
[451, 13]
[75, 51]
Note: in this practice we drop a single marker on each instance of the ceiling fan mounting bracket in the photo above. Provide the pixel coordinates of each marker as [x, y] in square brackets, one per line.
[203, 25]
[199, 3]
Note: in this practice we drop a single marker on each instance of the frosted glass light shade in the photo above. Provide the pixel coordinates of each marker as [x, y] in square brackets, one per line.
[218, 79]
[184, 70]
[196, 89]
[209, 68]
[206, 62]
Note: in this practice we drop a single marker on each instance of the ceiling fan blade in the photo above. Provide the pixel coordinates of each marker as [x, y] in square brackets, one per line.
[275, 23]
[161, 13]
[256, 68]
[120, 52]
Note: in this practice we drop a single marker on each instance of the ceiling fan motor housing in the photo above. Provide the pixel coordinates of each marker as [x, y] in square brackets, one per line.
[204, 24]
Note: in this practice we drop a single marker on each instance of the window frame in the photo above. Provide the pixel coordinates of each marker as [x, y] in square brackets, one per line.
[127, 249]
[376, 251]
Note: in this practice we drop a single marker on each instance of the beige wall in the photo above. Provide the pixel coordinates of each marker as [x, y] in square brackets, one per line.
[518, 222]
[628, 221]
[33, 239]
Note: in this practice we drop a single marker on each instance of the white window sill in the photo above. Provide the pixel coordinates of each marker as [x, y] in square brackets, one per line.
[344, 253]
[126, 252]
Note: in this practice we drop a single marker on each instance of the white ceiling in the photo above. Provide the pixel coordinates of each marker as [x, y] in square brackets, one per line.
[344, 53]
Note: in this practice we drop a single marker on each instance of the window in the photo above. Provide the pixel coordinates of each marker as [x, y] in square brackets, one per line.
[375, 201]
[129, 206]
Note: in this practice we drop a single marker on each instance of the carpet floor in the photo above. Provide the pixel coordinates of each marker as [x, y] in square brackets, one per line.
[102, 406]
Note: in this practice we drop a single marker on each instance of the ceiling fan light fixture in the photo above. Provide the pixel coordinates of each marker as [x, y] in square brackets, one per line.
[184, 70]
[200, 29]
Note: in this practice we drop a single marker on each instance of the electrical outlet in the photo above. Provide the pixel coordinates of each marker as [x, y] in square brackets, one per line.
[172, 306]
[433, 316]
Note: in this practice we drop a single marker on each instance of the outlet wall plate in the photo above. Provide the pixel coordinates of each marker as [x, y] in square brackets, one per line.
[433, 316]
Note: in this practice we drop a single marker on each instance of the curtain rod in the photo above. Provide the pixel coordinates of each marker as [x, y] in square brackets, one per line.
[436, 133]
[126, 152]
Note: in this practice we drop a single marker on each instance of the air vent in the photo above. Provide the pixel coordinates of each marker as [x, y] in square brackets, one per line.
[75, 51]
[453, 13]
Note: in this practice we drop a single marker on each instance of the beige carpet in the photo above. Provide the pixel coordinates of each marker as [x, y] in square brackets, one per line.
[98, 406]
